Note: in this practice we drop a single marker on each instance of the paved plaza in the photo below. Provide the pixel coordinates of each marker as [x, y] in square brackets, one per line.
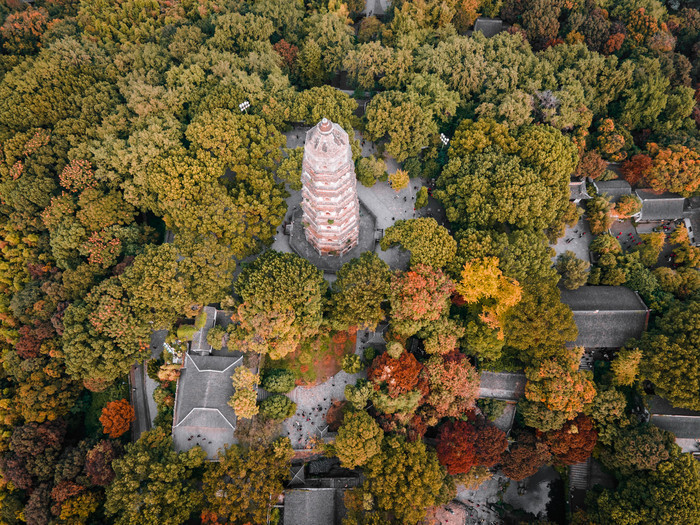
[576, 239]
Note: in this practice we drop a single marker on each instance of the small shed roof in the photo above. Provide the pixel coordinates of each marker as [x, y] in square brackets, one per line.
[202, 415]
[683, 423]
[488, 26]
[313, 506]
[508, 386]
[613, 188]
[660, 206]
[606, 316]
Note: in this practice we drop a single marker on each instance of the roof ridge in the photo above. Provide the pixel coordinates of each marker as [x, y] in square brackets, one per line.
[206, 408]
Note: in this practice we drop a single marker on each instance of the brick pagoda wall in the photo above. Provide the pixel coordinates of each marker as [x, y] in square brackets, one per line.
[329, 190]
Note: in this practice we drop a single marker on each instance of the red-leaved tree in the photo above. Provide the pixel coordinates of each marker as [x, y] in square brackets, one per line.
[399, 375]
[98, 463]
[525, 458]
[574, 442]
[455, 448]
[489, 444]
[636, 169]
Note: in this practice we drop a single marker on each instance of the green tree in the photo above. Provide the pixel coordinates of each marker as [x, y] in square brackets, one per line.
[370, 169]
[407, 125]
[359, 439]
[539, 324]
[277, 407]
[666, 495]
[487, 164]
[429, 243]
[359, 293]
[243, 485]
[281, 306]
[155, 484]
[671, 355]
[239, 33]
[316, 103]
[637, 448]
[278, 380]
[598, 211]
[366, 63]
[574, 271]
[311, 64]
[405, 478]
[651, 248]
[608, 413]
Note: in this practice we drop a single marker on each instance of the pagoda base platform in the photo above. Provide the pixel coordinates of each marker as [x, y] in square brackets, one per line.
[332, 263]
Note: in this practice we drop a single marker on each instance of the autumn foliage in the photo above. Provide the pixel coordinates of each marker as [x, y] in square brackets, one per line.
[455, 447]
[484, 282]
[463, 445]
[525, 457]
[574, 442]
[399, 375]
[117, 417]
[418, 297]
[636, 169]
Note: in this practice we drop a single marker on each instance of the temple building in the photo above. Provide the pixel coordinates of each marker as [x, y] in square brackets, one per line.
[331, 215]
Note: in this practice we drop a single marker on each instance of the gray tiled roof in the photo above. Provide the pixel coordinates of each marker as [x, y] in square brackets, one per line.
[316, 506]
[509, 386]
[683, 423]
[201, 404]
[606, 316]
[613, 188]
[577, 190]
[660, 206]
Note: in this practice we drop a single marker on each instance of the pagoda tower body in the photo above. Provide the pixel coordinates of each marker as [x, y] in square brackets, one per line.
[331, 211]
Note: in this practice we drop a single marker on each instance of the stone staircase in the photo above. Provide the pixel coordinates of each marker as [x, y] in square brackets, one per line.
[579, 475]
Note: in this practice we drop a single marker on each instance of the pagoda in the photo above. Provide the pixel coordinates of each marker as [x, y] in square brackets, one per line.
[331, 210]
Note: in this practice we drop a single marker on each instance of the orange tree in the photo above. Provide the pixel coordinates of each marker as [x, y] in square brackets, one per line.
[418, 297]
[116, 417]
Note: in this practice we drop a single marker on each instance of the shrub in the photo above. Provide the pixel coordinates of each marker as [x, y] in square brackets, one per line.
[278, 407]
[279, 380]
[186, 332]
[422, 198]
[369, 353]
[152, 368]
[491, 408]
[352, 364]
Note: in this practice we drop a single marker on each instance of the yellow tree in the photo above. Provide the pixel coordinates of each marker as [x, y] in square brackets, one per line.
[559, 385]
[483, 282]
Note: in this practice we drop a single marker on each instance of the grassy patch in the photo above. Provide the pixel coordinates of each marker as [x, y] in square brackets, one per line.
[98, 400]
[318, 359]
